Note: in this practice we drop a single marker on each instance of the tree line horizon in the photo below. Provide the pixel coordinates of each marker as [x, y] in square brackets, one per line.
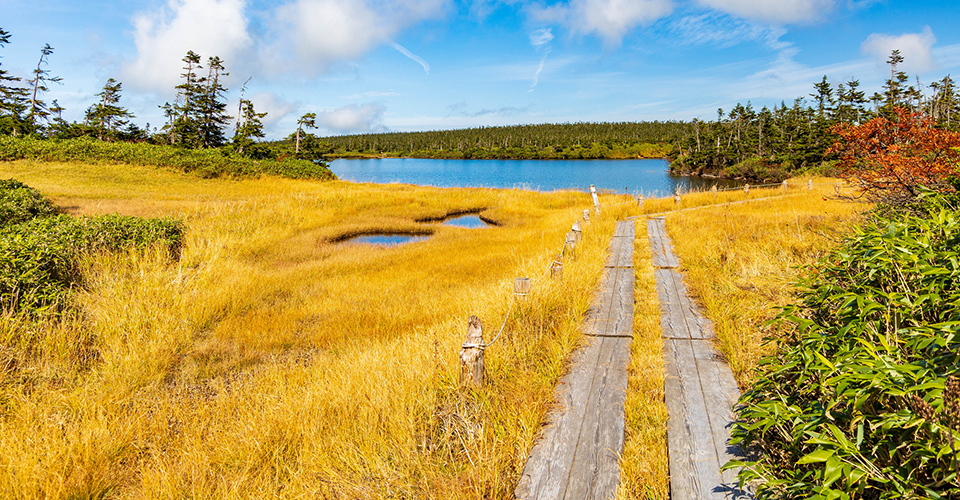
[765, 144]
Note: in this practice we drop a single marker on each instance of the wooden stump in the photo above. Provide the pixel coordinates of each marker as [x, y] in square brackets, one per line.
[810, 185]
[784, 185]
[577, 231]
[746, 188]
[471, 354]
[586, 215]
[715, 193]
[676, 198]
[556, 270]
[570, 248]
[596, 201]
[522, 287]
[640, 201]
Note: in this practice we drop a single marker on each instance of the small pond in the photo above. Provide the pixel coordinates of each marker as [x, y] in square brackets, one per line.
[469, 221]
[386, 239]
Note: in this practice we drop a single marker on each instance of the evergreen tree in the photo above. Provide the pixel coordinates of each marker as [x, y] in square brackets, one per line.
[308, 120]
[41, 78]
[249, 126]
[893, 93]
[106, 116]
[212, 115]
[13, 97]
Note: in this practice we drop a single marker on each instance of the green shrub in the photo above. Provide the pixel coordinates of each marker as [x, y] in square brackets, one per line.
[862, 399]
[39, 251]
[20, 203]
[206, 163]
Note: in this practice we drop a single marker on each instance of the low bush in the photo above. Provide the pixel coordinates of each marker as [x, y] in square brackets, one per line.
[862, 399]
[20, 203]
[39, 251]
[207, 163]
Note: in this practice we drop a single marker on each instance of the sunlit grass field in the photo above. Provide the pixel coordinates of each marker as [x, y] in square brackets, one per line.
[271, 362]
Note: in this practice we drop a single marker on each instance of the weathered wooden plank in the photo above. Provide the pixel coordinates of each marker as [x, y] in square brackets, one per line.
[660, 246]
[694, 466]
[577, 455]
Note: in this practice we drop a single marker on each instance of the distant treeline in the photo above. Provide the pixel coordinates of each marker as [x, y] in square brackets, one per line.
[771, 144]
[545, 141]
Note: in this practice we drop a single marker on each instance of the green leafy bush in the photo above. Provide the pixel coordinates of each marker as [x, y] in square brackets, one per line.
[20, 203]
[39, 251]
[207, 163]
[862, 399]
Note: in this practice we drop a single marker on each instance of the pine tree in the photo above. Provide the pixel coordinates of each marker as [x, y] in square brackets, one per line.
[211, 106]
[41, 78]
[308, 120]
[250, 126]
[13, 98]
[106, 116]
[893, 89]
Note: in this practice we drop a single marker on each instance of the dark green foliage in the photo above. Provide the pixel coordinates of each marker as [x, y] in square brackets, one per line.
[862, 399]
[207, 163]
[39, 251]
[20, 203]
[546, 141]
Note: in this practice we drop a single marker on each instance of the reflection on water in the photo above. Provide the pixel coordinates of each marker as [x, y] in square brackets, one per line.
[467, 221]
[386, 239]
[647, 177]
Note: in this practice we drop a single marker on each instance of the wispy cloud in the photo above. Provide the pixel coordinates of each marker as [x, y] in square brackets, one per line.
[403, 50]
[352, 119]
[608, 19]
[536, 76]
[916, 49]
[775, 12]
[541, 37]
[460, 109]
[715, 28]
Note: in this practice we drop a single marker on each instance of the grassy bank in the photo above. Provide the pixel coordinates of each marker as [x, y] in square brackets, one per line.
[268, 361]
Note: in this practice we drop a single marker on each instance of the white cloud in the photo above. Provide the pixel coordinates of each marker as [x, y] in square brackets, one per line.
[413, 57]
[541, 37]
[352, 119]
[721, 29]
[916, 49]
[774, 11]
[608, 19]
[322, 32]
[163, 37]
[275, 107]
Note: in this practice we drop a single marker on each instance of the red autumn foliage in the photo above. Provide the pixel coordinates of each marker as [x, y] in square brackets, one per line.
[891, 159]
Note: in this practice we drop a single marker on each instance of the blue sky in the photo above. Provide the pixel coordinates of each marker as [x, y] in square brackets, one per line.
[401, 65]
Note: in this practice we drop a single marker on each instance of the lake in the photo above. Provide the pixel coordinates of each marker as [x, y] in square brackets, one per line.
[647, 177]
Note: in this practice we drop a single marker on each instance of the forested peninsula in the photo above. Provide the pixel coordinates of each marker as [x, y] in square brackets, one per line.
[617, 140]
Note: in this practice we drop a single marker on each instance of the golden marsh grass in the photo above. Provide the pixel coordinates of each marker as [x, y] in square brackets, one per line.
[271, 362]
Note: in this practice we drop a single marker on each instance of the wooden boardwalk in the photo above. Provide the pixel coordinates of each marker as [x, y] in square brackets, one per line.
[577, 455]
[700, 389]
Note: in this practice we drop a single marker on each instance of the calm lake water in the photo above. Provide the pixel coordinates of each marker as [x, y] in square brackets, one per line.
[647, 177]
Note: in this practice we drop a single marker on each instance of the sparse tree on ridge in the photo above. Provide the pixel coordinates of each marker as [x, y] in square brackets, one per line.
[308, 120]
[106, 116]
[41, 78]
[13, 98]
[250, 126]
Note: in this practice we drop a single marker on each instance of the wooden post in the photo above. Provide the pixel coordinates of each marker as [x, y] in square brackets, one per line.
[784, 185]
[596, 201]
[676, 198]
[522, 287]
[810, 185]
[640, 201]
[556, 270]
[471, 354]
[714, 189]
[837, 187]
[746, 188]
[586, 215]
[577, 231]
[571, 244]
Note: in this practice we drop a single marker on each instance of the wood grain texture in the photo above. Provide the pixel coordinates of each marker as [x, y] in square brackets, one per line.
[699, 387]
[577, 454]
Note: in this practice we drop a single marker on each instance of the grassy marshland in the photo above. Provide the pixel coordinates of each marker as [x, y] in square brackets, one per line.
[269, 361]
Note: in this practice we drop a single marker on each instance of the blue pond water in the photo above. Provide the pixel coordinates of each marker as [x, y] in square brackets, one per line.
[386, 239]
[466, 221]
[647, 177]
